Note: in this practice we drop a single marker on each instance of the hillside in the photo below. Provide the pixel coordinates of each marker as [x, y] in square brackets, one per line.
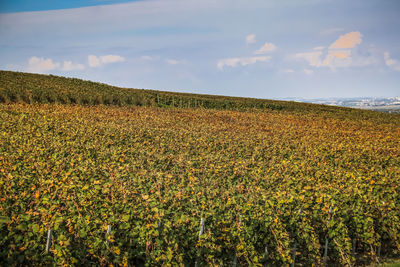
[38, 88]
[18, 87]
[266, 176]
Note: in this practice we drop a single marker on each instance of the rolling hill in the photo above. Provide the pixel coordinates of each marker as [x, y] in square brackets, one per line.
[273, 181]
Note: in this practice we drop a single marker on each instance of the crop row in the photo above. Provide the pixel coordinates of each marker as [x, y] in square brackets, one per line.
[18, 87]
[152, 173]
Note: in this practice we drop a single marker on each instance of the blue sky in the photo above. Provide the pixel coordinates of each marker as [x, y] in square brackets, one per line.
[41, 5]
[258, 48]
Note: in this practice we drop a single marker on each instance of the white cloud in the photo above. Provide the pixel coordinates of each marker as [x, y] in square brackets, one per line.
[333, 55]
[333, 59]
[392, 63]
[267, 47]
[338, 54]
[308, 71]
[313, 58]
[244, 61]
[95, 61]
[250, 39]
[42, 65]
[111, 59]
[348, 40]
[69, 66]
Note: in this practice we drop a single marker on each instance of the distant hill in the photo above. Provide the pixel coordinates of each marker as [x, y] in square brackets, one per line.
[383, 104]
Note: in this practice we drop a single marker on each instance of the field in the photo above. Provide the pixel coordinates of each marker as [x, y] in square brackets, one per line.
[152, 174]
[266, 176]
[18, 87]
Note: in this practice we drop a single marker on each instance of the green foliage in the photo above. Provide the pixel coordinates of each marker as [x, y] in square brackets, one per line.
[152, 173]
[18, 87]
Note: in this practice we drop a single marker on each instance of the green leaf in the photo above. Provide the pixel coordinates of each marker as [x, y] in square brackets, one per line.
[4, 219]
[35, 228]
[82, 233]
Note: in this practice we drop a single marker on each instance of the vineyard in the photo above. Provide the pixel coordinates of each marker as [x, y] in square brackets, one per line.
[18, 87]
[37, 88]
[264, 180]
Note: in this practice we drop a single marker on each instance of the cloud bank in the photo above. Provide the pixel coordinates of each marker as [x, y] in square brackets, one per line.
[43, 65]
[40, 65]
[338, 54]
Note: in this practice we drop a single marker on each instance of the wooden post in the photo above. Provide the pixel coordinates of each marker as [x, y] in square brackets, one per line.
[107, 234]
[326, 251]
[202, 222]
[49, 238]
[266, 255]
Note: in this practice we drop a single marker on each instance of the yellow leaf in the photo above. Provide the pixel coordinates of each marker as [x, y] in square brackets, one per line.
[116, 250]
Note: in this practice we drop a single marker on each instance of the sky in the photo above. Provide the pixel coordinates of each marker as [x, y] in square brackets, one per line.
[260, 48]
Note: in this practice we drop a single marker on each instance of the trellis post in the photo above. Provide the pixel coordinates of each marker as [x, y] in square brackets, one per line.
[108, 234]
[49, 238]
[202, 222]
